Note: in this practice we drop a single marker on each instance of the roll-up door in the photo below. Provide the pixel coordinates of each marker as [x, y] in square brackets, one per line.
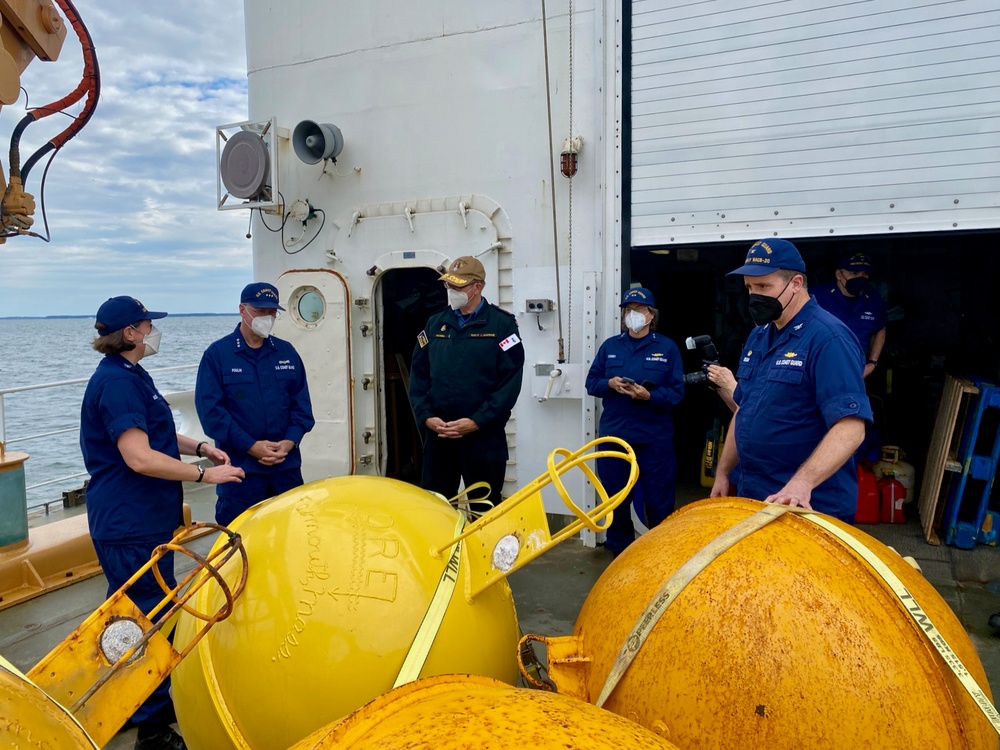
[801, 118]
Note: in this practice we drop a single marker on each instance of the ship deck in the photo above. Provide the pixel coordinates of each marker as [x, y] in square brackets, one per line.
[548, 592]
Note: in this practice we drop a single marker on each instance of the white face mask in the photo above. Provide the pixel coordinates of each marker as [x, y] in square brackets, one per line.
[151, 341]
[262, 325]
[457, 299]
[635, 321]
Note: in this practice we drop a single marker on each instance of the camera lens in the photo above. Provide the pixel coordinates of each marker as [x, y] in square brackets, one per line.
[695, 377]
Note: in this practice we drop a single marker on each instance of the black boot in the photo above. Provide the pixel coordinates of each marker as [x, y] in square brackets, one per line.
[158, 737]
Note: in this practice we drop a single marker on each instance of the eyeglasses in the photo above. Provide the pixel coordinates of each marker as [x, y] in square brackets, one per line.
[456, 288]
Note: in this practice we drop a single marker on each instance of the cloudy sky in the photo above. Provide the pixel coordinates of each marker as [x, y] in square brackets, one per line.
[131, 199]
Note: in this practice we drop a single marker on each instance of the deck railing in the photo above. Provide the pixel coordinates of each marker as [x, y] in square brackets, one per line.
[21, 439]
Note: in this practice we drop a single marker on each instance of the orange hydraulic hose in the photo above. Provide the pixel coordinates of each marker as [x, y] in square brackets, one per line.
[90, 85]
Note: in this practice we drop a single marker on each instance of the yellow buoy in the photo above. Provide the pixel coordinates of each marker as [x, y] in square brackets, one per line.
[343, 572]
[462, 711]
[787, 639]
[30, 718]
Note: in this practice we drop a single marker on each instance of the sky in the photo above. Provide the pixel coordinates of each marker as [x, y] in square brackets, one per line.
[131, 200]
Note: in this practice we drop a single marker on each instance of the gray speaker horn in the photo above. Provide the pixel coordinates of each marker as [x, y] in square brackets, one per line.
[315, 141]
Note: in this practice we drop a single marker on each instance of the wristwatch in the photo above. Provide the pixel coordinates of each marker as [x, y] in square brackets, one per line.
[872, 362]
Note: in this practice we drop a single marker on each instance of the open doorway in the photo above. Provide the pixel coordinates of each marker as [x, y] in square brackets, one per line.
[942, 318]
[407, 298]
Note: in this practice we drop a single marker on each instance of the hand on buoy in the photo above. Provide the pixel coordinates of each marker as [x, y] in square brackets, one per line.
[795, 494]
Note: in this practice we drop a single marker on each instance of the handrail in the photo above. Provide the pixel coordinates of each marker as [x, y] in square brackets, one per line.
[62, 431]
[57, 384]
[78, 381]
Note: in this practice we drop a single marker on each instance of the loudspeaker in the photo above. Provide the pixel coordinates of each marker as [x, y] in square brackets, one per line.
[314, 141]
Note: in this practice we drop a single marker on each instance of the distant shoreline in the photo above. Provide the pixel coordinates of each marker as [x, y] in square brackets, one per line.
[71, 317]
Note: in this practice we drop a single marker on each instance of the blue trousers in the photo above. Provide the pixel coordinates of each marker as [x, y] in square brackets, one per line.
[120, 562]
[236, 497]
[653, 495]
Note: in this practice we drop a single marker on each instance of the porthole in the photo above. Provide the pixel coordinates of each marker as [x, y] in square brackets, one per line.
[308, 306]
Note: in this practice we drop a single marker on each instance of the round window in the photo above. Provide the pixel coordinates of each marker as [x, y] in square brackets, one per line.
[310, 306]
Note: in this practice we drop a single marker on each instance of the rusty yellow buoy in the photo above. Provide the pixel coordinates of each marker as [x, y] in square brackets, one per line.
[343, 573]
[788, 639]
[463, 711]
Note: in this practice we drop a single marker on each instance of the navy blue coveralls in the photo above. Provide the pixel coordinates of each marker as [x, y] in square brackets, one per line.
[654, 362]
[244, 395]
[129, 513]
[466, 367]
[865, 314]
[793, 385]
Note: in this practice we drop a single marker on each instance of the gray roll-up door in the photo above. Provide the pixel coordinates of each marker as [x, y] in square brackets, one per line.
[757, 118]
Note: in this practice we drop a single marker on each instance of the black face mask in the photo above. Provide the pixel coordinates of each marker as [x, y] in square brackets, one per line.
[764, 309]
[856, 286]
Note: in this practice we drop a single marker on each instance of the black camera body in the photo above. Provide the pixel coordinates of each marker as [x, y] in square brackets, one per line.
[709, 356]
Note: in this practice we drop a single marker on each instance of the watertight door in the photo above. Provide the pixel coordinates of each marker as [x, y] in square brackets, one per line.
[317, 324]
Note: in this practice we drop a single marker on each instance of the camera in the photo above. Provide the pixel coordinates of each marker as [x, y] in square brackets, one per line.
[709, 356]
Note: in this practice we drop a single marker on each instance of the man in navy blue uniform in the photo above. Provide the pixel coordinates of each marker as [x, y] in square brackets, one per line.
[134, 500]
[253, 401]
[801, 394]
[465, 378]
[859, 307]
[639, 376]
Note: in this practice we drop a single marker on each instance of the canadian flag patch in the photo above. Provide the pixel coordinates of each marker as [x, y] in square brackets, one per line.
[510, 342]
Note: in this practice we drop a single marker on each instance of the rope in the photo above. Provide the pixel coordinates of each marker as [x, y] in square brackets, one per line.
[569, 244]
[552, 181]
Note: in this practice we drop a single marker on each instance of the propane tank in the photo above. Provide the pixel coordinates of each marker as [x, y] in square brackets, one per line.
[868, 498]
[452, 711]
[789, 610]
[892, 462]
[892, 494]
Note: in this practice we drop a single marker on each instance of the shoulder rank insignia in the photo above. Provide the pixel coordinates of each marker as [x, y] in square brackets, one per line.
[422, 339]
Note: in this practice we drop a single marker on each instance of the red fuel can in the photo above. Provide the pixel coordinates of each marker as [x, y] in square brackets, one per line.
[893, 495]
[868, 498]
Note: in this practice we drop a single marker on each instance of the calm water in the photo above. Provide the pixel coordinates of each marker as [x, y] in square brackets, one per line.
[33, 352]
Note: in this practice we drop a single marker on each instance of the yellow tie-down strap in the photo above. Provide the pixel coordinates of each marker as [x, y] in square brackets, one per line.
[937, 639]
[517, 531]
[668, 592]
[433, 617]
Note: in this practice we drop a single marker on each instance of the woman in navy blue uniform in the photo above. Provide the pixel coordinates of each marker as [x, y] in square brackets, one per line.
[132, 450]
[640, 379]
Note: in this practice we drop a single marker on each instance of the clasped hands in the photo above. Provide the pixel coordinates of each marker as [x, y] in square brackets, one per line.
[270, 452]
[455, 429]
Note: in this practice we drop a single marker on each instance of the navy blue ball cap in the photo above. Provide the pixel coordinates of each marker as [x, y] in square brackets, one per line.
[121, 312]
[768, 256]
[855, 262]
[261, 295]
[638, 296]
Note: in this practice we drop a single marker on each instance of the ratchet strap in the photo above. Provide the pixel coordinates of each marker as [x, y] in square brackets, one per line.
[923, 621]
[685, 574]
[434, 616]
[675, 584]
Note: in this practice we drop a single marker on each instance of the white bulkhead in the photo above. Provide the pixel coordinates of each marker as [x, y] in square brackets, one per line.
[701, 123]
